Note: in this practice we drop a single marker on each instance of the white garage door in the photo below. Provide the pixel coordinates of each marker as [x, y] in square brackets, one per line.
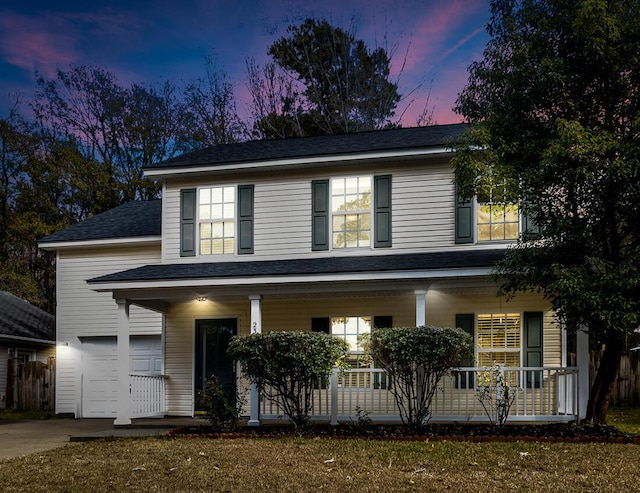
[99, 370]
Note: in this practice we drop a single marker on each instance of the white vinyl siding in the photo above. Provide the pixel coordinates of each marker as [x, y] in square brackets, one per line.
[179, 347]
[82, 312]
[422, 212]
[443, 304]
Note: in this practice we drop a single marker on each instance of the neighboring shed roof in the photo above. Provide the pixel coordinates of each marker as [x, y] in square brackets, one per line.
[324, 265]
[20, 319]
[324, 145]
[133, 219]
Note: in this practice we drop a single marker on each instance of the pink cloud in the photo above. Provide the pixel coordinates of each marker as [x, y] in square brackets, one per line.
[36, 43]
[432, 35]
[52, 40]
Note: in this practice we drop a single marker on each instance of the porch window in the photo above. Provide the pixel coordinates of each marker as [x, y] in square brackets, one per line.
[498, 339]
[216, 220]
[350, 329]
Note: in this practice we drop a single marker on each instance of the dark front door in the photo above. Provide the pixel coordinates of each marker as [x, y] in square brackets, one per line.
[212, 340]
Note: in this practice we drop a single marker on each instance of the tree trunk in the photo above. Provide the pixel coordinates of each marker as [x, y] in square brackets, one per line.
[605, 378]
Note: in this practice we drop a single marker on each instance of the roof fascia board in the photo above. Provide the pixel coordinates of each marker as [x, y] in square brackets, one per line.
[104, 242]
[27, 339]
[181, 170]
[287, 279]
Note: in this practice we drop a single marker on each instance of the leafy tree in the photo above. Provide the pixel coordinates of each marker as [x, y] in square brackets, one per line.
[126, 128]
[341, 86]
[416, 359]
[211, 115]
[15, 143]
[285, 366]
[555, 104]
[274, 108]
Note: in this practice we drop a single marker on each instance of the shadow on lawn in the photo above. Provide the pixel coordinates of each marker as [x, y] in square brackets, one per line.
[558, 432]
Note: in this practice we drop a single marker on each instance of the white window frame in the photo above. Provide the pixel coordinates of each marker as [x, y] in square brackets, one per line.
[332, 213]
[494, 349]
[201, 221]
[504, 224]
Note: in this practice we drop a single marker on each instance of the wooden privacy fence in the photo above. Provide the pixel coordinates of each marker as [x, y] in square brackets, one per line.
[31, 385]
[626, 389]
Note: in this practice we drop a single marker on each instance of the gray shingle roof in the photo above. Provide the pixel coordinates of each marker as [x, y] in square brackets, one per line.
[324, 145]
[315, 266]
[19, 318]
[133, 219]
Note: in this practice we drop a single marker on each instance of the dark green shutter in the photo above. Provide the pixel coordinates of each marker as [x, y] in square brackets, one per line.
[533, 348]
[381, 322]
[245, 219]
[464, 379]
[382, 211]
[188, 222]
[320, 215]
[530, 229]
[321, 324]
[464, 220]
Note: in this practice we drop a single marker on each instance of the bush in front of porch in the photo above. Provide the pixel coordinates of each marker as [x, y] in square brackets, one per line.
[286, 366]
[416, 359]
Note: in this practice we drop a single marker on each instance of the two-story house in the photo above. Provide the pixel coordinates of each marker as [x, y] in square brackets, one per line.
[337, 233]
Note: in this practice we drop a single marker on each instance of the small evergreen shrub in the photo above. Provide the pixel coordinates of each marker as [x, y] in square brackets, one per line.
[220, 412]
[416, 359]
[285, 366]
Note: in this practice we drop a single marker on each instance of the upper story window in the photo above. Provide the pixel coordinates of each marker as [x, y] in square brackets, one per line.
[217, 220]
[351, 212]
[492, 216]
[496, 217]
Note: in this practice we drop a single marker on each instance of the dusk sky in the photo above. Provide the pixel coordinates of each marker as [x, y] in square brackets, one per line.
[149, 42]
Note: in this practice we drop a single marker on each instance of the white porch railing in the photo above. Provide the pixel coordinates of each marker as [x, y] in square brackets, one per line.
[540, 394]
[147, 396]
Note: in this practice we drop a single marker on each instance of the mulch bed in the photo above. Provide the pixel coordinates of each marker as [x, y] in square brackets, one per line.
[551, 433]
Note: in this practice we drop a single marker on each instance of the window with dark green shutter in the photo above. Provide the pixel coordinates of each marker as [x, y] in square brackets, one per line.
[188, 222]
[216, 220]
[320, 215]
[465, 379]
[245, 219]
[382, 211]
[351, 212]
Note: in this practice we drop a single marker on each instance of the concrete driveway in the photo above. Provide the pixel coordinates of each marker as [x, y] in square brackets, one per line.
[25, 437]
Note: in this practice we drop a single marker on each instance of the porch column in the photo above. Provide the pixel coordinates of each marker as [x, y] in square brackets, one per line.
[421, 307]
[256, 328]
[123, 411]
[582, 361]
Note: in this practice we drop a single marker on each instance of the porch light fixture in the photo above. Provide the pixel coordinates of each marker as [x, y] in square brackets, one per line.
[201, 298]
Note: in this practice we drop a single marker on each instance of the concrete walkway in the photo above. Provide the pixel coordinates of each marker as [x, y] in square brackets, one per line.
[18, 438]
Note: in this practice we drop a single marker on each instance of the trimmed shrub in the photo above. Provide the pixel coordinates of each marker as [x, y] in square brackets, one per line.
[221, 414]
[285, 366]
[416, 359]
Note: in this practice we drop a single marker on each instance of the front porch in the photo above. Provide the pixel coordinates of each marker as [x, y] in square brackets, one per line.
[542, 394]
